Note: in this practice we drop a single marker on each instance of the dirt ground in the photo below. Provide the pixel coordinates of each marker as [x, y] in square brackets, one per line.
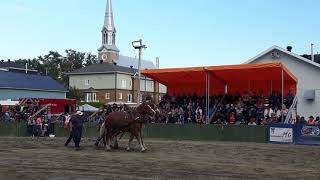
[27, 158]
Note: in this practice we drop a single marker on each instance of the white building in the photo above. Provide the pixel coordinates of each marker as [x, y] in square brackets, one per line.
[307, 72]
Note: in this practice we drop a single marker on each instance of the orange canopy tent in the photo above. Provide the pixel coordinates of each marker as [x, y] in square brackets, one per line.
[233, 78]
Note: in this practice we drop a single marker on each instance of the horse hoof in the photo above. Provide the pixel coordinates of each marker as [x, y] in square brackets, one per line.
[128, 149]
[144, 150]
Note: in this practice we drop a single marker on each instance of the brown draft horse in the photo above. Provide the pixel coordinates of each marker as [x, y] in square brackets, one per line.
[131, 121]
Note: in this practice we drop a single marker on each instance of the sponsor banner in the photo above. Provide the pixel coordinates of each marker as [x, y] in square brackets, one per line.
[308, 134]
[281, 135]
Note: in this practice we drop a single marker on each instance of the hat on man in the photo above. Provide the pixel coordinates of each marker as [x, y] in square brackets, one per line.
[79, 113]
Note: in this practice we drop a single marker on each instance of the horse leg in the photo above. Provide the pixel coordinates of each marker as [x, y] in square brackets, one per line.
[142, 138]
[104, 140]
[130, 140]
[107, 140]
[138, 136]
[116, 145]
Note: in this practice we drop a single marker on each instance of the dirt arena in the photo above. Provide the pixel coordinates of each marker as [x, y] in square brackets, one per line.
[27, 158]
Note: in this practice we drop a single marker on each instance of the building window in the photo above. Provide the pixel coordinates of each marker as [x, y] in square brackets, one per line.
[120, 96]
[107, 95]
[87, 82]
[123, 83]
[91, 97]
[130, 83]
[129, 98]
[105, 38]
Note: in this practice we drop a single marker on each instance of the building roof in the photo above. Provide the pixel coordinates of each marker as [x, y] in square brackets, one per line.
[101, 68]
[129, 61]
[316, 57]
[122, 66]
[12, 80]
[298, 57]
[193, 80]
[14, 67]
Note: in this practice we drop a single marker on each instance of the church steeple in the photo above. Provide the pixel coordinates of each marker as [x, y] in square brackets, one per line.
[108, 52]
[108, 18]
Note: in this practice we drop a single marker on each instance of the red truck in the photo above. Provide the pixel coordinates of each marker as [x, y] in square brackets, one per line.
[55, 106]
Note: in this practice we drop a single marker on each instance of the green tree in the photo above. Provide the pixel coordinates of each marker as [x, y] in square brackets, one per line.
[75, 93]
[55, 65]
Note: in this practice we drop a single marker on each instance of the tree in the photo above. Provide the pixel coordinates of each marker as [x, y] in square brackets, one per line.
[75, 93]
[55, 65]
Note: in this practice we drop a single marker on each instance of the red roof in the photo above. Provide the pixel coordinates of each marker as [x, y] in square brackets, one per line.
[240, 78]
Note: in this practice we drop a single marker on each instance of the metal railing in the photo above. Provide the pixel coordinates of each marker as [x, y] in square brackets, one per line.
[291, 110]
[217, 107]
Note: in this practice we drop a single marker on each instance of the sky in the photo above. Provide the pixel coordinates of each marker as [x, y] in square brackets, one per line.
[182, 33]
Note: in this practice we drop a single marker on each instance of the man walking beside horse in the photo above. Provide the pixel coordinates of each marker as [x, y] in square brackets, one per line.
[76, 126]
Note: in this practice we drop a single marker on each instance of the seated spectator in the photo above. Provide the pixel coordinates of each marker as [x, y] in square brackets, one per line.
[6, 117]
[232, 118]
[181, 114]
[268, 112]
[284, 111]
[318, 120]
[264, 122]
[231, 109]
[311, 121]
[290, 98]
[198, 118]
[189, 117]
[252, 121]
[302, 120]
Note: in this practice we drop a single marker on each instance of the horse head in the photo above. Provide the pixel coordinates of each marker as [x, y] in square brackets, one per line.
[153, 106]
[146, 108]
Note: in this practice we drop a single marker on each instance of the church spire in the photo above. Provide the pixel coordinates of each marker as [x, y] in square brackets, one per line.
[108, 18]
[108, 50]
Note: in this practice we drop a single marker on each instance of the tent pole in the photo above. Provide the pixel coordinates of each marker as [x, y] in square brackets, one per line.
[226, 89]
[271, 86]
[282, 92]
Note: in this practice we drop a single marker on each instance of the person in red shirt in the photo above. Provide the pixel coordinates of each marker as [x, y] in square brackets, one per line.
[38, 126]
[311, 121]
[232, 118]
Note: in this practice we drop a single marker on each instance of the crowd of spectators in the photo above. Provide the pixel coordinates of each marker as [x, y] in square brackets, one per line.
[250, 108]
[18, 112]
[40, 125]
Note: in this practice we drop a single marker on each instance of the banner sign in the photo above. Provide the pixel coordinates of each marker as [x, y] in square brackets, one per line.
[308, 134]
[280, 133]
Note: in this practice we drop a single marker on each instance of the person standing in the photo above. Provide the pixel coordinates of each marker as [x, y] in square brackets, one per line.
[68, 125]
[100, 122]
[77, 125]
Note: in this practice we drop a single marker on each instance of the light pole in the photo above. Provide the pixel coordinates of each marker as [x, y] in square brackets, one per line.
[140, 46]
